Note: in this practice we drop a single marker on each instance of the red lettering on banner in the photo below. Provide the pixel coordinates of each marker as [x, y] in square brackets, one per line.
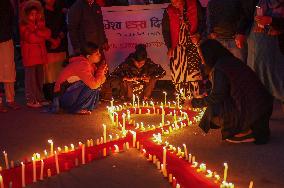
[136, 24]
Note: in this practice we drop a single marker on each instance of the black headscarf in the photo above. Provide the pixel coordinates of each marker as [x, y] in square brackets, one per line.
[212, 51]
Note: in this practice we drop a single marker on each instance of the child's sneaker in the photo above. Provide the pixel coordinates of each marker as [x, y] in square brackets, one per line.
[34, 104]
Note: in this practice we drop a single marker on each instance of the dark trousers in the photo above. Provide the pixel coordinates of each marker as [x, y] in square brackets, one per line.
[127, 88]
[34, 83]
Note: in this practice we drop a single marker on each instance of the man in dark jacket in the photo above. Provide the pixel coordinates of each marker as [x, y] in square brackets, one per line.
[7, 64]
[85, 24]
[138, 74]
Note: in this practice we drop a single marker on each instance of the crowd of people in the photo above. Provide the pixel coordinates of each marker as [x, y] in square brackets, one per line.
[228, 57]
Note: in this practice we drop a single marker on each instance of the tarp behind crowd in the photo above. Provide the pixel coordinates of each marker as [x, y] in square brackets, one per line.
[126, 26]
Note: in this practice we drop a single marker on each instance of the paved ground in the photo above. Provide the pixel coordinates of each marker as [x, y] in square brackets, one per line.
[26, 131]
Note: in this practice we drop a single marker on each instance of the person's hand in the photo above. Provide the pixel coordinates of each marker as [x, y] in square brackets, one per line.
[263, 20]
[170, 53]
[103, 68]
[106, 46]
[195, 39]
[240, 40]
[212, 36]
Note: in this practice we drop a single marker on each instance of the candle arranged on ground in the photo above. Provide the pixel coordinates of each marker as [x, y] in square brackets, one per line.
[123, 122]
[34, 169]
[6, 159]
[164, 158]
[1, 182]
[163, 115]
[41, 169]
[251, 184]
[165, 102]
[225, 172]
[51, 147]
[133, 100]
[56, 162]
[83, 154]
[104, 133]
[185, 152]
[23, 175]
[177, 100]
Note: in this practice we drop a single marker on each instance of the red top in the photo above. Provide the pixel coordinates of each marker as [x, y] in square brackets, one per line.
[175, 21]
[33, 44]
[81, 69]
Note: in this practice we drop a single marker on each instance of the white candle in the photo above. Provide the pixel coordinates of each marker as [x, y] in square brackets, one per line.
[56, 162]
[83, 154]
[163, 116]
[251, 184]
[51, 147]
[164, 157]
[104, 127]
[128, 115]
[1, 182]
[111, 102]
[133, 100]
[165, 93]
[41, 169]
[178, 100]
[178, 185]
[138, 101]
[6, 159]
[123, 122]
[34, 169]
[72, 147]
[225, 172]
[185, 152]
[23, 175]
[134, 138]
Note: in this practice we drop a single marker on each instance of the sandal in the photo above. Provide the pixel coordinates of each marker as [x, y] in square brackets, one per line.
[84, 112]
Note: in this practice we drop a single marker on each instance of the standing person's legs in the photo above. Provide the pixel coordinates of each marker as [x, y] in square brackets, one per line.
[30, 87]
[10, 95]
[149, 87]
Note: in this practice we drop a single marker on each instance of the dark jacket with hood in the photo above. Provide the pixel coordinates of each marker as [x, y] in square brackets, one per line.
[85, 24]
[6, 20]
[128, 69]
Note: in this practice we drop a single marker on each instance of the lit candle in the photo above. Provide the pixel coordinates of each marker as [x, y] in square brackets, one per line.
[138, 101]
[51, 147]
[23, 175]
[104, 152]
[251, 184]
[225, 172]
[66, 149]
[123, 122]
[6, 159]
[56, 162]
[133, 100]
[128, 115]
[178, 185]
[111, 103]
[104, 127]
[41, 169]
[164, 158]
[83, 154]
[163, 116]
[165, 93]
[116, 149]
[34, 169]
[178, 100]
[134, 138]
[170, 178]
[185, 152]
[72, 147]
[1, 182]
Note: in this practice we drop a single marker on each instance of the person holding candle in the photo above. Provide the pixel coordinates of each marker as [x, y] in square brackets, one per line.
[78, 87]
[241, 106]
[181, 26]
[136, 71]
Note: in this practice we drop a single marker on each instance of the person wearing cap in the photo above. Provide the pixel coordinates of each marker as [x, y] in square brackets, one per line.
[138, 70]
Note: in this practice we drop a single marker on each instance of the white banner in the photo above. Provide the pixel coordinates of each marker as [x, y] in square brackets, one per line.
[126, 26]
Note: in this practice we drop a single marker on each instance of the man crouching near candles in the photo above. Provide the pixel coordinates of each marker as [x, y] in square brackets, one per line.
[136, 71]
[78, 86]
[238, 102]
